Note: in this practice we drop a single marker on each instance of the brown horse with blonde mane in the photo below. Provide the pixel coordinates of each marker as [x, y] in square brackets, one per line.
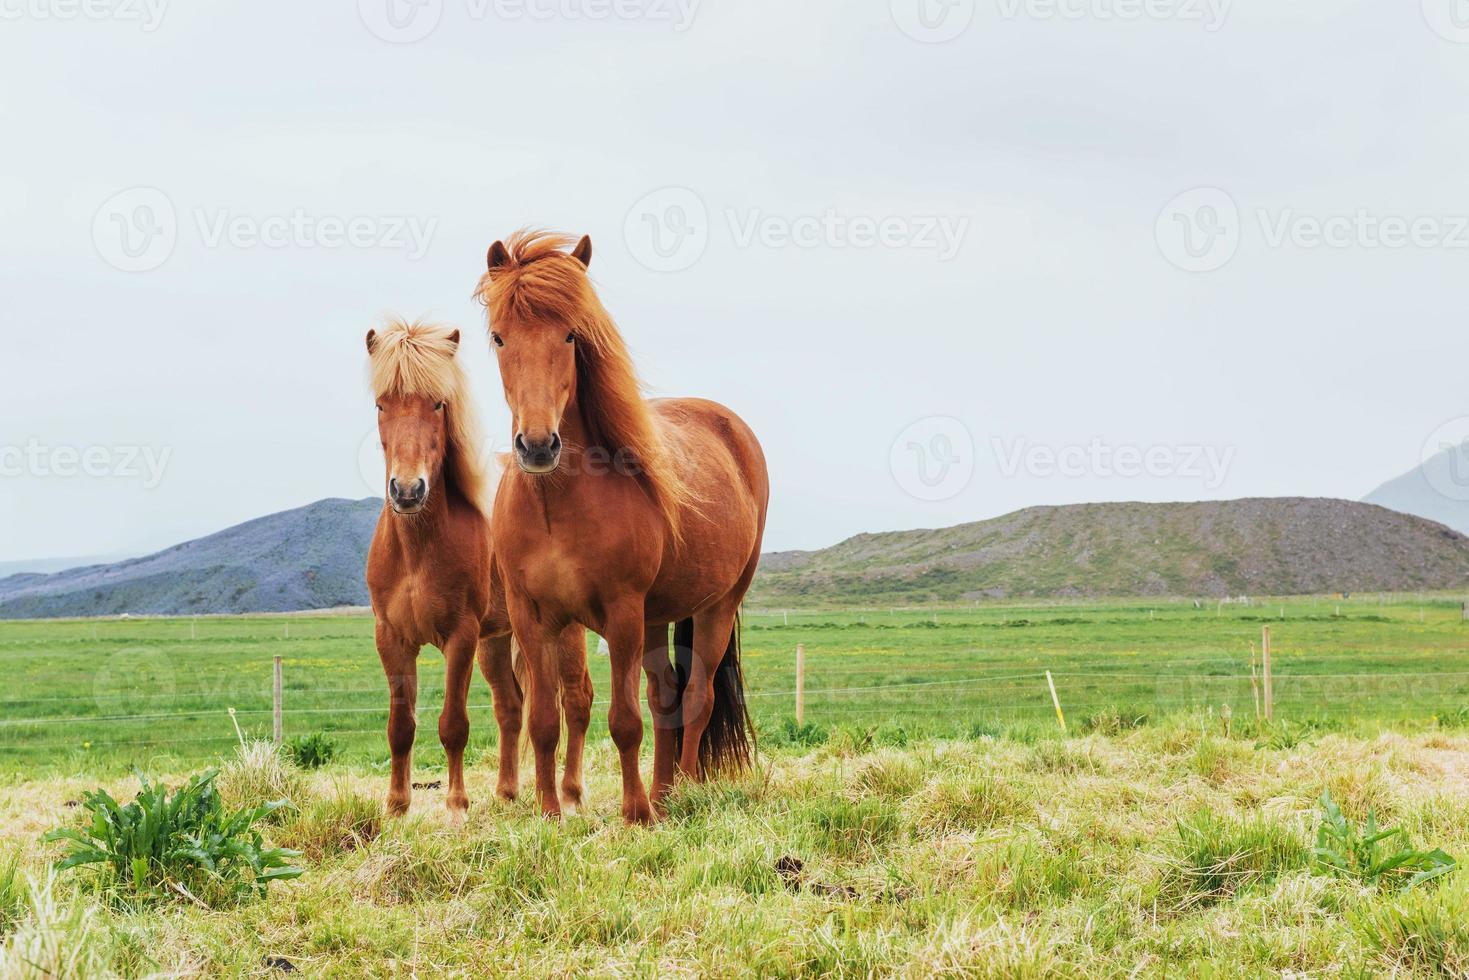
[430, 567]
[624, 516]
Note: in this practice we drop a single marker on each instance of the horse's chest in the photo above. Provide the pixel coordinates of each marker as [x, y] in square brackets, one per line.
[417, 612]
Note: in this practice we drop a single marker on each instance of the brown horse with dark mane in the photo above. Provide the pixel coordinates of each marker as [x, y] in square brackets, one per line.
[624, 516]
[430, 568]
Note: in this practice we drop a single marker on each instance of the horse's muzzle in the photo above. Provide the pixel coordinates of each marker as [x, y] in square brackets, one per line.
[539, 456]
[408, 499]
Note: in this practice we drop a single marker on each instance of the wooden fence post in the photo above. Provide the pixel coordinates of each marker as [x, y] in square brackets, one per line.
[800, 684]
[1268, 679]
[279, 732]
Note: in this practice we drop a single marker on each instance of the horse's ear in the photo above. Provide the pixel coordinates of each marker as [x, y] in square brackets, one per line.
[583, 251]
[454, 340]
[371, 341]
[499, 256]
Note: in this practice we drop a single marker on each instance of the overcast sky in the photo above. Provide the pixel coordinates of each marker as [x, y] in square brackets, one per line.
[948, 261]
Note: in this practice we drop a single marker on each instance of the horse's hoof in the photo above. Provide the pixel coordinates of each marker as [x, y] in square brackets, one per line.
[571, 799]
[397, 806]
[506, 793]
[638, 814]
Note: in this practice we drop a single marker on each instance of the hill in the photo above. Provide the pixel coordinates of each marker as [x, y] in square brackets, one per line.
[309, 558]
[1437, 490]
[1275, 546]
[313, 558]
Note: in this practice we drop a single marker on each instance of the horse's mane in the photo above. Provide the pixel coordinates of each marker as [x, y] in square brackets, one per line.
[542, 282]
[418, 359]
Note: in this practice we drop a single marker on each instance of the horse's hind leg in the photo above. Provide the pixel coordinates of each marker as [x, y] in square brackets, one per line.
[496, 662]
[576, 706]
[454, 720]
[400, 664]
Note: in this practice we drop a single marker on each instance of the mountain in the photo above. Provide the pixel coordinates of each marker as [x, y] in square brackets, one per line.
[1276, 546]
[1437, 490]
[314, 557]
[310, 558]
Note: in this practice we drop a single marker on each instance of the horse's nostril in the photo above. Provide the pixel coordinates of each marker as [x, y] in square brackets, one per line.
[393, 486]
[520, 442]
[555, 442]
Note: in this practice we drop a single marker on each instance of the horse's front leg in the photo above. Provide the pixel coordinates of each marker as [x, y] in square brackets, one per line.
[624, 635]
[400, 664]
[454, 719]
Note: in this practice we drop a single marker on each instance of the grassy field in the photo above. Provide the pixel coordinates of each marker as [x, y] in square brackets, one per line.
[102, 696]
[1164, 851]
[929, 818]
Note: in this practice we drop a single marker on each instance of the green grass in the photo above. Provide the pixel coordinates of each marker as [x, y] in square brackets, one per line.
[92, 695]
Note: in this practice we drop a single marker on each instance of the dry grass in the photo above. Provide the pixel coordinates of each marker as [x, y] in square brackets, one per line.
[1159, 851]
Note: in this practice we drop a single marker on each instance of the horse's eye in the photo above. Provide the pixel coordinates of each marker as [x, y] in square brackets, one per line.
[439, 407]
[499, 341]
[571, 338]
[379, 408]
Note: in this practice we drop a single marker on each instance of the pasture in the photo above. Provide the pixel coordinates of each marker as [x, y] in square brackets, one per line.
[929, 818]
[102, 696]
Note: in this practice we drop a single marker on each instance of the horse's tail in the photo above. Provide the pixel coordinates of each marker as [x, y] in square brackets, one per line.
[522, 683]
[728, 742]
